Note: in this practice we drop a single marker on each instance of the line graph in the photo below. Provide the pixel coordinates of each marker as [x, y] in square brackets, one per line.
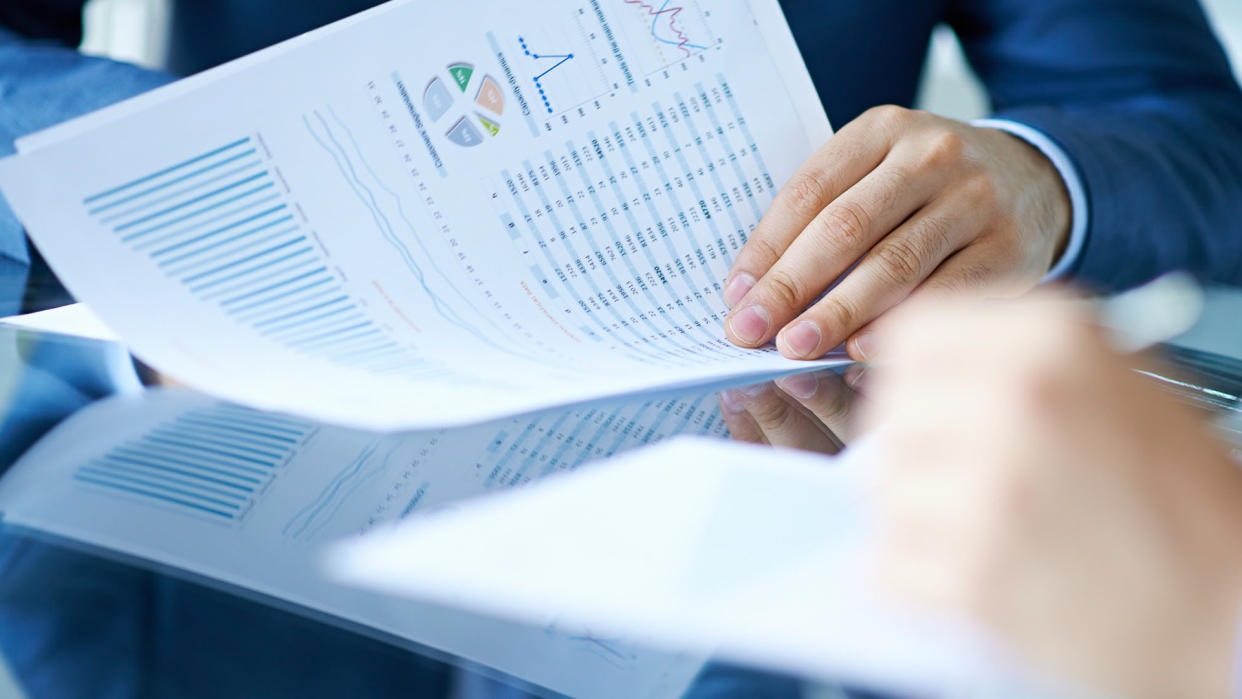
[560, 60]
[669, 14]
[663, 33]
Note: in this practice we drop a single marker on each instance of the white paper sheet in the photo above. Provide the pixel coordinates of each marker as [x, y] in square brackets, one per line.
[250, 499]
[436, 213]
[709, 547]
[77, 320]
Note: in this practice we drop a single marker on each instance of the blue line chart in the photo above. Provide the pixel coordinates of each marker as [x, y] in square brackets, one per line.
[560, 58]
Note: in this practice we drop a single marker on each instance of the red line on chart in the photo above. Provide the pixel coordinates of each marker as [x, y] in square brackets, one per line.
[683, 41]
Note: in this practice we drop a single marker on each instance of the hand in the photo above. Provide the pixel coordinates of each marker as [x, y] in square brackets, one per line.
[811, 411]
[1033, 481]
[920, 203]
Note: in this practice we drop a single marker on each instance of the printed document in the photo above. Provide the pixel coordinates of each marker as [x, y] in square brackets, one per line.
[436, 213]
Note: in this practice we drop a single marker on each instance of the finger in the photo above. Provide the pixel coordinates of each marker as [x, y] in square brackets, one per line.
[855, 376]
[827, 396]
[785, 423]
[888, 274]
[742, 426]
[983, 270]
[831, 242]
[843, 161]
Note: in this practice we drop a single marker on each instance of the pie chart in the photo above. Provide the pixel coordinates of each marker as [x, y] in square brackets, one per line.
[465, 104]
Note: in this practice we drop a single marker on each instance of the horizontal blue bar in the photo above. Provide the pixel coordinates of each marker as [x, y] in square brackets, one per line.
[289, 436]
[183, 178]
[273, 287]
[196, 435]
[165, 171]
[181, 471]
[302, 331]
[368, 354]
[200, 447]
[191, 459]
[188, 461]
[223, 229]
[159, 239]
[116, 216]
[327, 336]
[307, 322]
[251, 415]
[263, 302]
[156, 485]
[303, 311]
[237, 436]
[249, 258]
[196, 200]
[162, 474]
[242, 246]
[262, 276]
[200, 212]
[272, 311]
[337, 339]
[156, 496]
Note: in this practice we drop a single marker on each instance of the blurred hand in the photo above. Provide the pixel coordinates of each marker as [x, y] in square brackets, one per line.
[811, 411]
[1036, 483]
[919, 202]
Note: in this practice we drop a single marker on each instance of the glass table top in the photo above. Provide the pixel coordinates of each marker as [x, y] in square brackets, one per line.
[159, 542]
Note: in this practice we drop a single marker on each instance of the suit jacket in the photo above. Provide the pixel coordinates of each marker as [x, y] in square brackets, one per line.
[1138, 93]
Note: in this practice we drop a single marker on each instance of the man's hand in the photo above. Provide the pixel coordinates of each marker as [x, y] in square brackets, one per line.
[919, 202]
[811, 411]
[1033, 481]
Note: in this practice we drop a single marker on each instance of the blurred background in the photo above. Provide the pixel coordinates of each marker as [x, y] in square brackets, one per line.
[132, 30]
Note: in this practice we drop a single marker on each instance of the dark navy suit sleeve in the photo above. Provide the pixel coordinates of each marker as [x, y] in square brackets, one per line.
[44, 81]
[1140, 94]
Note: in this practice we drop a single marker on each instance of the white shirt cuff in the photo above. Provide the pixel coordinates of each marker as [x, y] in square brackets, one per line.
[1073, 183]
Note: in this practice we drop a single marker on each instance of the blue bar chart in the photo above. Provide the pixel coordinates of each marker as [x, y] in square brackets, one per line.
[213, 462]
[221, 224]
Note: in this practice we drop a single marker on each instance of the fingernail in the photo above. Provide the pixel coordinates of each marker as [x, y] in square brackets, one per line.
[865, 346]
[854, 376]
[755, 391]
[732, 401]
[802, 339]
[750, 324]
[737, 288]
[801, 386]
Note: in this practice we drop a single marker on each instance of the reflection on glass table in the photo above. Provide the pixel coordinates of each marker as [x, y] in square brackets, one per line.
[158, 541]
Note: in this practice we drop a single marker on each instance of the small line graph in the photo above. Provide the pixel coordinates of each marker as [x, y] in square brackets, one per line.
[560, 60]
[665, 28]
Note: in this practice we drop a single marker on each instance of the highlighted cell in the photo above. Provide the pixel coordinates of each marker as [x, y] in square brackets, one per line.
[490, 96]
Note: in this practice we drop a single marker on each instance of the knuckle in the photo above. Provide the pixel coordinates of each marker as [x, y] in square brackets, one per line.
[785, 289]
[937, 234]
[981, 191]
[841, 315]
[889, 116]
[762, 250]
[945, 149]
[900, 261]
[771, 414]
[964, 281]
[806, 194]
[848, 223]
